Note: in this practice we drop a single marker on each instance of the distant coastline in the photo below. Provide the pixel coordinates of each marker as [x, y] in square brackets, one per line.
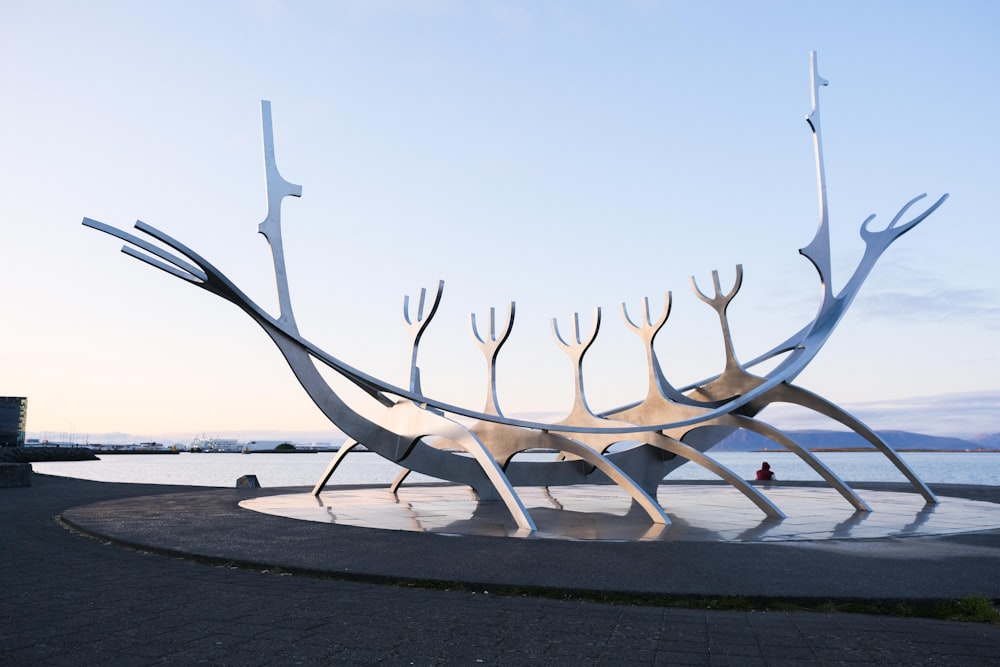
[865, 450]
[847, 441]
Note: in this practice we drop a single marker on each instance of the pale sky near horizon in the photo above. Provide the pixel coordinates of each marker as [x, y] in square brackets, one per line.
[562, 155]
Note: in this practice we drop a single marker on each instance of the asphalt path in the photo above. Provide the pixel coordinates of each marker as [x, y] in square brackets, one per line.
[155, 575]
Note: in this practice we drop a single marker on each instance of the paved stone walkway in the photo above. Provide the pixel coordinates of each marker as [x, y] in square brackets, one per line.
[66, 599]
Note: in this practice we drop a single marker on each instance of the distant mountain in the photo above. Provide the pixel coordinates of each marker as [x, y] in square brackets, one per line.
[746, 441]
[988, 440]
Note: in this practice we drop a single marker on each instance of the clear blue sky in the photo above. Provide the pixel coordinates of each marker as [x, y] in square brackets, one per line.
[564, 155]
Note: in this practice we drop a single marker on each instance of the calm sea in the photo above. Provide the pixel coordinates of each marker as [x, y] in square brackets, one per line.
[273, 470]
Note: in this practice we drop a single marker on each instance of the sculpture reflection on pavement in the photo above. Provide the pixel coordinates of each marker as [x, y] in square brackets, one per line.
[671, 425]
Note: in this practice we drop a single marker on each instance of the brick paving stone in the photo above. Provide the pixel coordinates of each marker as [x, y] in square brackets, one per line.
[725, 660]
[682, 659]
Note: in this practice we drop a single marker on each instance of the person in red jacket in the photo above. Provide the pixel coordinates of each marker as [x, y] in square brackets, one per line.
[765, 473]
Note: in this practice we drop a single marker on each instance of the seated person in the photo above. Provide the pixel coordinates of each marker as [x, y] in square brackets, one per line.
[765, 473]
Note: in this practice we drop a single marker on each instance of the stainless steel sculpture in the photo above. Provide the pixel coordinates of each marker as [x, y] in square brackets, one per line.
[672, 425]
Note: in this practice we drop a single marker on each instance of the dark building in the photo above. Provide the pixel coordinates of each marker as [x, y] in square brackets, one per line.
[13, 418]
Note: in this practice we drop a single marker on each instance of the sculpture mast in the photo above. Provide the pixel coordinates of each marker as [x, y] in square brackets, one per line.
[818, 250]
[277, 189]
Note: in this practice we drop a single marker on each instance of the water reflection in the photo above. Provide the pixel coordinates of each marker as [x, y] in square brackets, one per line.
[699, 513]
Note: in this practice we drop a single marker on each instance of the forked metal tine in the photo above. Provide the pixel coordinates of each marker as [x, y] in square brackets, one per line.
[170, 263]
[577, 345]
[906, 207]
[720, 301]
[420, 308]
[576, 349]
[418, 324]
[647, 326]
[417, 327]
[894, 229]
[495, 340]
[491, 349]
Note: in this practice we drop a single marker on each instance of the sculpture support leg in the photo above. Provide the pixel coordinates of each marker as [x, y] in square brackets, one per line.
[787, 393]
[417, 423]
[826, 473]
[618, 476]
[691, 454]
[501, 484]
[398, 482]
[334, 462]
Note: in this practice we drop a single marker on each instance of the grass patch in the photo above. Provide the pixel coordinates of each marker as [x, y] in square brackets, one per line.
[970, 609]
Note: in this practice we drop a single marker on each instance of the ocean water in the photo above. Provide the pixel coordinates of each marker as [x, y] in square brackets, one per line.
[275, 470]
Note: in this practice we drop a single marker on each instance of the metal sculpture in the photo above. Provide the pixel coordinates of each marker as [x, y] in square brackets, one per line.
[672, 425]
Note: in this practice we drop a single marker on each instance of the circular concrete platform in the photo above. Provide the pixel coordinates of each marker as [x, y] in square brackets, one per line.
[699, 513]
[210, 525]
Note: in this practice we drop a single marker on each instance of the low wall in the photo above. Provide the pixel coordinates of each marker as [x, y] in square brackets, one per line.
[39, 454]
[15, 474]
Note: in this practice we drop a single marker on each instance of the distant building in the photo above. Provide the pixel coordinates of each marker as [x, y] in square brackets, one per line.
[13, 418]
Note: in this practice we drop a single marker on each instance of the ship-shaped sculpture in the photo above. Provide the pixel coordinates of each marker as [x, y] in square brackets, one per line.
[670, 427]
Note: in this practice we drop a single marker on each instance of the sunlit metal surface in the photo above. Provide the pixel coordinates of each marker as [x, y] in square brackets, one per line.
[674, 425]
